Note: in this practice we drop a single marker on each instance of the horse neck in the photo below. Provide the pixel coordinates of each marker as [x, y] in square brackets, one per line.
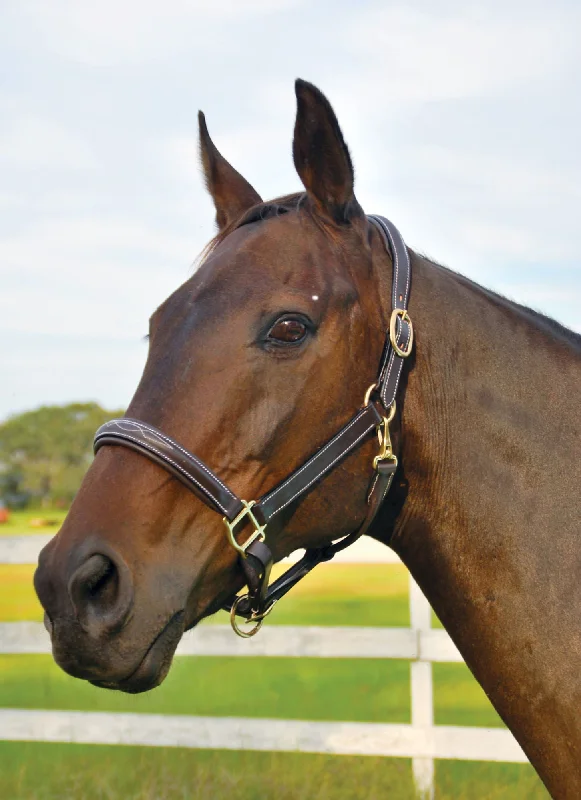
[491, 453]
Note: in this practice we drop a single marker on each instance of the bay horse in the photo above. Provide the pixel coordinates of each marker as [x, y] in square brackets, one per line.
[254, 364]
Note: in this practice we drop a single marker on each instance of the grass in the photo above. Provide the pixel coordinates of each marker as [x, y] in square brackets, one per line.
[286, 688]
[362, 690]
[19, 523]
[90, 772]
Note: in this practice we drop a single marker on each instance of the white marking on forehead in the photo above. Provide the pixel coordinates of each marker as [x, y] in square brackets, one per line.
[315, 297]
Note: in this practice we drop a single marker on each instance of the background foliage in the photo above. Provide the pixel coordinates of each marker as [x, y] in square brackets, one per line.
[45, 453]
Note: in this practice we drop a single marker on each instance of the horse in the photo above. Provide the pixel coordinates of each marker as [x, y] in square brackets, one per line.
[254, 363]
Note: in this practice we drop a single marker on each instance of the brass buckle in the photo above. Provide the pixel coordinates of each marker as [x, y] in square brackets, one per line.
[257, 618]
[385, 447]
[258, 533]
[405, 317]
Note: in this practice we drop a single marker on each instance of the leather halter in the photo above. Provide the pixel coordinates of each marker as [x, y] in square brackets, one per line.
[375, 415]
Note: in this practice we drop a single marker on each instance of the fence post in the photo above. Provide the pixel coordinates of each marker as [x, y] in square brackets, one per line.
[422, 694]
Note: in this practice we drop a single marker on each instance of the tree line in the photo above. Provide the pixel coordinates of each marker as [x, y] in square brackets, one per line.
[45, 453]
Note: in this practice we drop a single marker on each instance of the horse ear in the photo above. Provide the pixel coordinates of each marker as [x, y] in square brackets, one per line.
[231, 193]
[321, 156]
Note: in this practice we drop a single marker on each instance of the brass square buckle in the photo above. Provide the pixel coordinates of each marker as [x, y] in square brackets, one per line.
[258, 533]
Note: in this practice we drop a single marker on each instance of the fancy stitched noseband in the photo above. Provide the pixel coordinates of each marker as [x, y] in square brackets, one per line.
[375, 415]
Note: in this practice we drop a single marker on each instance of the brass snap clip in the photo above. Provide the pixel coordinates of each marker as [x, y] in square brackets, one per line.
[385, 447]
[405, 317]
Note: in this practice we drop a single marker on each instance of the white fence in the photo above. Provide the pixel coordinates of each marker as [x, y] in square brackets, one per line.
[422, 741]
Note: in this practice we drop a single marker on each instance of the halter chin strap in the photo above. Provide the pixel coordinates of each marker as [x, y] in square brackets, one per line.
[255, 555]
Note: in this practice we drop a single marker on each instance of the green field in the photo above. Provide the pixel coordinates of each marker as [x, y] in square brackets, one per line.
[24, 523]
[91, 772]
[319, 689]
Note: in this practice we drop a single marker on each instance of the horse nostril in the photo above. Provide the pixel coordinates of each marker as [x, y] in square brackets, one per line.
[101, 592]
[100, 580]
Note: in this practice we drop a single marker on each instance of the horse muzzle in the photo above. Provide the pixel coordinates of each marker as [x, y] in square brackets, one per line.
[95, 630]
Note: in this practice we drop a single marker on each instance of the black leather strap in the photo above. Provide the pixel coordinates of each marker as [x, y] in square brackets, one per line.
[324, 460]
[391, 363]
[200, 479]
[166, 452]
[256, 567]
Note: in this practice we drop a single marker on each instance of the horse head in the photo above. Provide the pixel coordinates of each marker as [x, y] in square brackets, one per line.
[253, 364]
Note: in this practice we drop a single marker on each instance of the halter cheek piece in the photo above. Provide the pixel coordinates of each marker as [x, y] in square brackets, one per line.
[254, 554]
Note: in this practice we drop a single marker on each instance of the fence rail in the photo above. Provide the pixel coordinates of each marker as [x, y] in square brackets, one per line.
[422, 741]
[277, 640]
[22, 549]
[25, 550]
[244, 733]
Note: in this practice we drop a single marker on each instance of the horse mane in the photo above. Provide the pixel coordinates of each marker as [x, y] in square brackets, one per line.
[537, 318]
[555, 327]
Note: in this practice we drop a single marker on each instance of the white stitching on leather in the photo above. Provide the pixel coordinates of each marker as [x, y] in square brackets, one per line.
[387, 487]
[386, 384]
[320, 453]
[393, 249]
[391, 363]
[373, 485]
[389, 228]
[396, 259]
[409, 272]
[326, 469]
[384, 395]
[143, 427]
[164, 457]
[386, 227]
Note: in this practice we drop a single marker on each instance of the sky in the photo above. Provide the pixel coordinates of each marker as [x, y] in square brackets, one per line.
[463, 120]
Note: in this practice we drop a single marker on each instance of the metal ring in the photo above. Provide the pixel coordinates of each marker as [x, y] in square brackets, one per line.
[258, 618]
[405, 317]
[369, 392]
[235, 627]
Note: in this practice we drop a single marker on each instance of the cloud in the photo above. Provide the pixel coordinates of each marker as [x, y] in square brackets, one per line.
[30, 143]
[497, 178]
[128, 32]
[90, 276]
[40, 369]
[463, 120]
[509, 208]
[416, 52]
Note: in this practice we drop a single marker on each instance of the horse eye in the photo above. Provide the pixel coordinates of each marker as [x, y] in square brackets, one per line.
[288, 331]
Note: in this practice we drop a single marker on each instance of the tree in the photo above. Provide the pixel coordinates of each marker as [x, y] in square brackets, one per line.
[45, 453]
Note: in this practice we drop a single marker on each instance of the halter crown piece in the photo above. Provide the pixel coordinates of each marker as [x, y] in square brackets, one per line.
[374, 416]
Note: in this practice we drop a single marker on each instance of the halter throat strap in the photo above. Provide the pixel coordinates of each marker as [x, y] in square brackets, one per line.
[238, 514]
